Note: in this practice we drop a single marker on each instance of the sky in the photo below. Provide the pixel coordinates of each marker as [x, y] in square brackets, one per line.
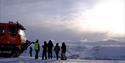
[67, 20]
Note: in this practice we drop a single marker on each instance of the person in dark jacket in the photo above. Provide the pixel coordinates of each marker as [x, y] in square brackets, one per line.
[50, 49]
[30, 51]
[36, 48]
[44, 54]
[57, 49]
[63, 51]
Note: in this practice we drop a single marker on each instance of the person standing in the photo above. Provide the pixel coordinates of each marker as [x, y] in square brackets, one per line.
[50, 48]
[63, 51]
[44, 56]
[36, 48]
[30, 51]
[57, 49]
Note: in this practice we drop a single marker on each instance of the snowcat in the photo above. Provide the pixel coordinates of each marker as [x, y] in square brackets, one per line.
[12, 39]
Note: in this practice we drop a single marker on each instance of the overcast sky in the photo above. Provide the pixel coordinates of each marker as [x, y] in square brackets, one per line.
[72, 20]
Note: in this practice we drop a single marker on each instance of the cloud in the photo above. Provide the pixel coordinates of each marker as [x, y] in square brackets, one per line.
[54, 19]
[106, 15]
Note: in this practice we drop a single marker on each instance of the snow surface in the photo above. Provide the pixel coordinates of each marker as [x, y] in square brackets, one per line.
[25, 59]
[99, 52]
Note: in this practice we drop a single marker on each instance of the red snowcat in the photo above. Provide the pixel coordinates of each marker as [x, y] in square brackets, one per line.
[12, 39]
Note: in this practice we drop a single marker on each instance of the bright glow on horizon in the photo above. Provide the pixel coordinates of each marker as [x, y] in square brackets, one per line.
[106, 16]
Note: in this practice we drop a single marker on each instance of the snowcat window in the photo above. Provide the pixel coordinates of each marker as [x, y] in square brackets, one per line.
[2, 30]
[12, 30]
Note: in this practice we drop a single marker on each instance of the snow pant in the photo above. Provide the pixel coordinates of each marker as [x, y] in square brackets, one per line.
[36, 55]
[63, 56]
[44, 56]
[57, 55]
[50, 54]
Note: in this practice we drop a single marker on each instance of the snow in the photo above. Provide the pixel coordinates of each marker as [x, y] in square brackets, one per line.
[25, 59]
[111, 52]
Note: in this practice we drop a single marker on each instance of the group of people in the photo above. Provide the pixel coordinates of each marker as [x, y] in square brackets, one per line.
[49, 48]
